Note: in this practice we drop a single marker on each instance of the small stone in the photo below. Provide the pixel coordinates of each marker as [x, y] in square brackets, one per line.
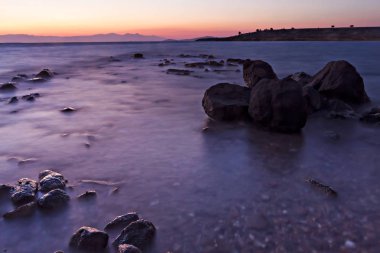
[53, 199]
[8, 86]
[37, 80]
[126, 248]
[68, 110]
[88, 238]
[138, 56]
[24, 191]
[21, 211]
[122, 221]
[50, 180]
[13, 100]
[139, 233]
[87, 194]
[45, 74]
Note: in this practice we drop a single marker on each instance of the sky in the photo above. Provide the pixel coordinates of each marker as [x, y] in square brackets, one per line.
[179, 19]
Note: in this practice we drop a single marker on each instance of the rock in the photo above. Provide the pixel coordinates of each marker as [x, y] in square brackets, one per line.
[126, 248]
[21, 211]
[6, 188]
[37, 80]
[339, 79]
[226, 101]
[236, 60]
[88, 238]
[87, 194]
[180, 72]
[19, 78]
[139, 233]
[203, 64]
[45, 74]
[313, 99]
[45, 173]
[13, 100]
[138, 56]
[254, 71]
[8, 86]
[122, 221]
[30, 97]
[278, 105]
[332, 135]
[68, 110]
[207, 56]
[302, 78]
[53, 199]
[24, 191]
[372, 116]
[51, 181]
[340, 110]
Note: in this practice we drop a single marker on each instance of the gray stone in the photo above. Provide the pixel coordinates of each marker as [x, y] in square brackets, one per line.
[53, 199]
[50, 180]
[122, 221]
[21, 211]
[139, 233]
[24, 191]
[126, 248]
[90, 239]
[255, 71]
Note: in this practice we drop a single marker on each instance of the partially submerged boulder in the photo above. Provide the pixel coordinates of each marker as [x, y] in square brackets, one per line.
[127, 248]
[139, 233]
[255, 71]
[21, 211]
[340, 110]
[50, 180]
[339, 79]
[88, 238]
[122, 221]
[278, 105]
[45, 74]
[53, 199]
[372, 116]
[24, 191]
[226, 101]
[8, 87]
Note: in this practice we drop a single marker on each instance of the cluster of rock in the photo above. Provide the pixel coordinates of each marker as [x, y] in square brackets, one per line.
[43, 76]
[27, 194]
[136, 234]
[284, 104]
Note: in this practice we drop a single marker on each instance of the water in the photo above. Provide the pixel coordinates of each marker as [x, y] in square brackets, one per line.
[233, 188]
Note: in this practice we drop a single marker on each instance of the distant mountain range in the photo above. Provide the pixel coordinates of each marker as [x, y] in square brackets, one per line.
[110, 37]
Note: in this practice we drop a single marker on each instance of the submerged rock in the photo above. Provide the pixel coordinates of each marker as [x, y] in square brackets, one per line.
[37, 80]
[88, 238]
[87, 194]
[30, 97]
[339, 79]
[19, 78]
[138, 56]
[53, 199]
[68, 110]
[45, 74]
[278, 105]
[122, 221]
[21, 211]
[13, 100]
[255, 71]
[313, 99]
[236, 60]
[372, 116]
[51, 180]
[340, 110]
[180, 72]
[226, 101]
[24, 191]
[8, 86]
[126, 248]
[139, 233]
[203, 64]
[302, 78]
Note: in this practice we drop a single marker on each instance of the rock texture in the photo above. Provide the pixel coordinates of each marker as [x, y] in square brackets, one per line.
[21, 211]
[24, 191]
[126, 248]
[139, 233]
[122, 221]
[90, 239]
[53, 199]
[255, 71]
[50, 180]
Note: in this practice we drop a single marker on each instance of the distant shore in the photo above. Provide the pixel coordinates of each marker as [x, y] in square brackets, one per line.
[307, 34]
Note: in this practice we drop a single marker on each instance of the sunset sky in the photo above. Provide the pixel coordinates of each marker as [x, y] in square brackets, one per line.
[179, 18]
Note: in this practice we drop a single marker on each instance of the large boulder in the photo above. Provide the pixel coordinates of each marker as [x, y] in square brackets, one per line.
[226, 101]
[24, 191]
[53, 199]
[122, 221]
[90, 239]
[255, 71]
[139, 233]
[278, 105]
[339, 79]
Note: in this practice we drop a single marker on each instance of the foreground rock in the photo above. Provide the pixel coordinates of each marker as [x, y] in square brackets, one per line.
[53, 199]
[339, 79]
[8, 87]
[139, 233]
[122, 221]
[226, 101]
[88, 238]
[255, 71]
[278, 105]
[45, 74]
[138, 56]
[126, 248]
[21, 211]
[50, 180]
[24, 191]
[372, 116]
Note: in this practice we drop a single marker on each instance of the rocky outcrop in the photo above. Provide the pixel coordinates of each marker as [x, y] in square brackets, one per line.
[89, 239]
[53, 199]
[255, 71]
[126, 248]
[340, 80]
[139, 233]
[226, 101]
[278, 105]
[24, 191]
[122, 221]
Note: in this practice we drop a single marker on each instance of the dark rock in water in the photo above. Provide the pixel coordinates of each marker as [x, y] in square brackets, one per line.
[339, 79]
[30, 97]
[51, 181]
[24, 191]
[8, 86]
[122, 221]
[37, 80]
[372, 116]
[45, 74]
[180, 72]
[139, 233]
[324, 188]
[278, 105]
[313, 99]
[88, 238]
[87, 194]
[68, 110]
[21, 211]
[138, 56]
[203, 64]
[13, 100]
[226, 101]
[126, 248]
[53, 199]
[236, 60]
[340, 110]
[6, 188]
[302, 78]
[19, 78]
[255, 71]
[207, 56]
[45, 173]
[113, 59]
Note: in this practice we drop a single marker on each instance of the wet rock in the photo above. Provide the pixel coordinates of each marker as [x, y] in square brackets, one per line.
[122, 221]
[30, 97]
[45, 173]
[302, 78]
[19, 78]
[226, 101]
[139, 233]
[340, 110]
[138, 56]
[372, 116]
[254, 71]
[313, 99]
[126, 248]
[6, 188]
[51, 181]
[339, 79]
[36, 80]
[45, 74]
[180, 72]
[87, 194]
[236, 60]
[21, 211]
[13, 100]
[278, 105]
[88, 238]
[113, 59]
[207, 56]
[53, 199]
[24, 191]
[8, 87]
[203, 64]
[68, 110]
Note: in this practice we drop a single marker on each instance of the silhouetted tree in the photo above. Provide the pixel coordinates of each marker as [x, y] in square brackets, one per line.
[239, 33]
[271, 29]
[352, 26]
[333, 26]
